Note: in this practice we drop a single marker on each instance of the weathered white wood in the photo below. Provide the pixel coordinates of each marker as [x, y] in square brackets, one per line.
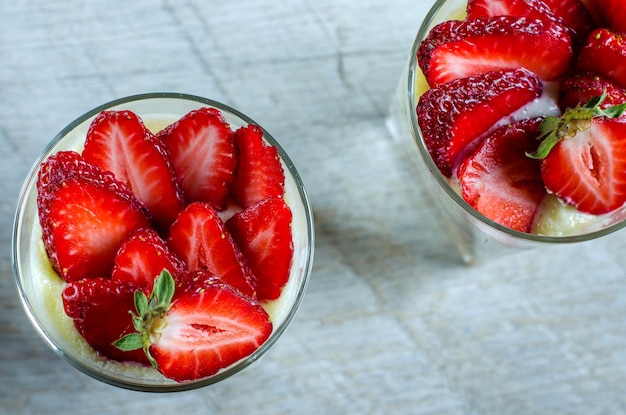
[391, 324]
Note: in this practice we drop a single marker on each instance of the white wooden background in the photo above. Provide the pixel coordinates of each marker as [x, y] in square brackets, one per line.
[392, 323]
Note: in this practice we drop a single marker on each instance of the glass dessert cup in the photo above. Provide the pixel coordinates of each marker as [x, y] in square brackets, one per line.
[476, 236]
[37, 284]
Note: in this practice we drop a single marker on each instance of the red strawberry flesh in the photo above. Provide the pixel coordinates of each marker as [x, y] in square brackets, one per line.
[500, 181]
[260, 173]
[207, 329]
[101, 311]
[118, 141]
[604, 54]
[263, 232]
[587, 171]
[84, 219]
[200, 239]
[142, 257]
[202, 148]
[454, 115]
[459, 49]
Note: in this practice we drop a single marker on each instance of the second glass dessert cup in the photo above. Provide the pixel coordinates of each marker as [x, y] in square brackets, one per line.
[476, 236]
[39, 287]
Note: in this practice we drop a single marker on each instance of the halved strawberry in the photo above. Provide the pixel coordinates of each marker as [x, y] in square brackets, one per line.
[500, 181]
[259, 173]
[459, 49]
[604, 53]
[192, 334]
[584, 157]
[199, 238]
[202, 148]
[579, 87]
[454, 115]
[263, 233]
[141, 259]
[118, 141]
[85, 216]
[101, 310]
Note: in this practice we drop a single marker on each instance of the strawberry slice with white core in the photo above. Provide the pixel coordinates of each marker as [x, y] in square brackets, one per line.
[263, 233]
[200, 239]
[584, 157]
[195, 333]
[259, 173]
[454, 115]
[459, 49]
[84, 218]
[201, 145]
[500, 181]
[141, 259]
[118, 141]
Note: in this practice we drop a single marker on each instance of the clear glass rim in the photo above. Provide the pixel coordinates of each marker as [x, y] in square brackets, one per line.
[136, 384]
[411, 104]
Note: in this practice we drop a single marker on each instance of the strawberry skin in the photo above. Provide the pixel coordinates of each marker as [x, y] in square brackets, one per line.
[100, 309]
[569, 13]
[201, 145]
[118, 141]
[578, 88]
[500, 181]
[604, 54]
[142, 257]
[459, 49]
[610, 13]
[208, 328]
[200, 239]
[85, 216]
[454, 115]
[263, 233]
[259, 173]
[587, 170]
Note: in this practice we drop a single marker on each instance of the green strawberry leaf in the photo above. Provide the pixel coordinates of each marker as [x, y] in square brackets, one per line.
[555, 129]
[132, 341]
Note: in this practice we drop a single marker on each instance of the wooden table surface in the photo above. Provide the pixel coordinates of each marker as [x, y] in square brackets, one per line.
[392, 322]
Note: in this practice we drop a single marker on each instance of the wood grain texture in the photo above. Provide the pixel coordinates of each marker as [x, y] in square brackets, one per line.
[391, 323]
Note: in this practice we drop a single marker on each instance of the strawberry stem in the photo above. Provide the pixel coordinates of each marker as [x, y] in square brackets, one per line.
[150, 316]
[555, 129]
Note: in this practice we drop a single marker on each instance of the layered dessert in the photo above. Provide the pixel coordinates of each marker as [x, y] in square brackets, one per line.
[166, 249]
[519, 103]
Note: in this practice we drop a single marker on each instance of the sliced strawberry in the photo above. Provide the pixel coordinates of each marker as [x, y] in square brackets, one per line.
[202, 148]
[578, 88]
[199, 238]
[604, 54]
[198, 328]
[500, 181]
[569, 13]
[611, 14]
[85, 216]
[141, 259]
[260, 173]
[118, 141]
[263, 232]
[573, 15]
[584, 157]
[454, 115]
[459, 49]
[101, 311]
